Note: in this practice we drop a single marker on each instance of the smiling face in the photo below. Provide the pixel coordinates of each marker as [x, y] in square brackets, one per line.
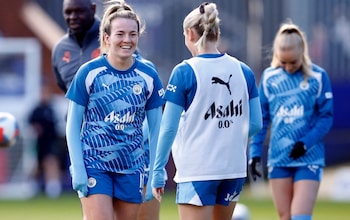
[122, 40]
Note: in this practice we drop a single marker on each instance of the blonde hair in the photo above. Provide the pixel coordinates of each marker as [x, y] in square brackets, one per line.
[205, 21]
[289, 36]
[116, 9]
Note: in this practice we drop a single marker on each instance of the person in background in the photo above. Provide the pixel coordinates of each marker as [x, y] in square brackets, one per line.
[43, 121]
[212, 107]
[109, 98]
[297, 101]
[80, 44]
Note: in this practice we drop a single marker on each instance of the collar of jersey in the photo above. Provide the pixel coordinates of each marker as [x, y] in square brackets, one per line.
[211, 55]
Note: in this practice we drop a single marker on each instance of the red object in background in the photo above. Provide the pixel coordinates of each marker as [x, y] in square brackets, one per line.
[3, 166]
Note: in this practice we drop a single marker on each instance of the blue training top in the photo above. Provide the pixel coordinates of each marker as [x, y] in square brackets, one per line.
[297, 111]
[115, 103]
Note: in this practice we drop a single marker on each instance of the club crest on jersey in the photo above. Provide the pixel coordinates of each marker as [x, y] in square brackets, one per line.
[137, 89]
[304, 85]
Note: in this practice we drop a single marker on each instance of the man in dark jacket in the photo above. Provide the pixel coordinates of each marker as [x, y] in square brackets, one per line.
[80, 44]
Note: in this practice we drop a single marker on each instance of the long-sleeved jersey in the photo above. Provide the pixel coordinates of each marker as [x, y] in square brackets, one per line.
[297, 111]
[116, 103]
[68, 55]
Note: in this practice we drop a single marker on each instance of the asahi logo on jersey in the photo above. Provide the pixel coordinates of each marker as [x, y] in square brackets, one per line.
[289, 114]
[120, 119]
[219, 111]
[224, 113]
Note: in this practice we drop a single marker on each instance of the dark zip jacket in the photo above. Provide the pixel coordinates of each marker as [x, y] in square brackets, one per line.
[68, 56]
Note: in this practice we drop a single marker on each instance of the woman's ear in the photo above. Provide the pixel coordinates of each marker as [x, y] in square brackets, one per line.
[191, 34]
[106, 38]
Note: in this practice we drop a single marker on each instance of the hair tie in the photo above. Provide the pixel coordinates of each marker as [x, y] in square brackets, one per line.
[289, 31]
[201, 7]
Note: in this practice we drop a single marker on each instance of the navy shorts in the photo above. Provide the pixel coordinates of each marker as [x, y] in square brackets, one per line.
[126, 187]
[209, 193]
[310, 172]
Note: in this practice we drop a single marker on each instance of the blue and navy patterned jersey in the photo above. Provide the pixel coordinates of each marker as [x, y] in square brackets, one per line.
[116, 103]
[297, 111]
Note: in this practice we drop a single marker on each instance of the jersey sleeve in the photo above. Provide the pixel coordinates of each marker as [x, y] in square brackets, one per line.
[157, 93]
[250, 79]
[323, 112]
[182, 86]
[77, 90]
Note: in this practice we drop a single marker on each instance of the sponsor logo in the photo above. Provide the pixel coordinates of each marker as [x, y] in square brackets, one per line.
[120, 119]
[230, 197]
[270, 169]
[66, 57]
[313, 168]
[224, 113]
[217, 80]
[328, 95]
[171, 88]
[161, 92]
[219, 111]
[105, 86]
[290, 114]
[117, 118]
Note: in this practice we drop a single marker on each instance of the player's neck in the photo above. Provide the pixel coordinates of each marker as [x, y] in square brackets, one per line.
[210, 48]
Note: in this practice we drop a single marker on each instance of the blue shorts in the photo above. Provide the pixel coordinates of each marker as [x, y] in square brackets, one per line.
[126, 187]
[310, 172]
[209, 193]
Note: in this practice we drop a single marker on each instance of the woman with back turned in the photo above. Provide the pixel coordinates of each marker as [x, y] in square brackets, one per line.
[212, 106]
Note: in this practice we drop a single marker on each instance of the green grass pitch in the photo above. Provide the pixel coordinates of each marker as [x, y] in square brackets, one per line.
[68, 207]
